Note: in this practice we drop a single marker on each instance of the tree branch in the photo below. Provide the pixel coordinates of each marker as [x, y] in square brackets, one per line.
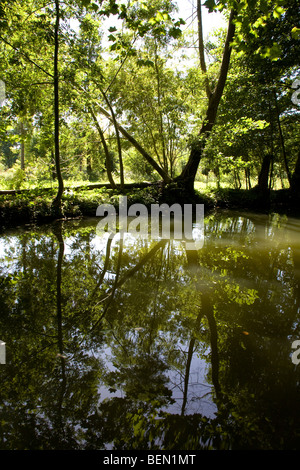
[201, 50]
[26, 57]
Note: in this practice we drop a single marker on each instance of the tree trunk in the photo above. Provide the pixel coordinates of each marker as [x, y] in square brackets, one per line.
[108, 162]
[201, 49]
[263, 178]
[295, 179]
[248, 178]
[166, 178]
[281, 137]
[190, 170]
[89, 168]
[57, 200]
[22, 145]
[190, 353]
[118, 140]
[160, 114]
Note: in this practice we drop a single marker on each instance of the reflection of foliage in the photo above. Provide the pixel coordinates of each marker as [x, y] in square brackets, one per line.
[135, 425]
[143, 379]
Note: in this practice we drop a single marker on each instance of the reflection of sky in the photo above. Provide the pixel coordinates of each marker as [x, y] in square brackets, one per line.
[9, 256]
[286, 232]
[199, 398]
[198, 395]
[2, 248]
[131, 237]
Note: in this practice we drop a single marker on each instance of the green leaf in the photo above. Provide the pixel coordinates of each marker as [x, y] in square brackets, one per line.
[210, 4]
[152, 21]
[179, 22]
[175, 33]
[278, 11]
[273, 53]
[145, 62]
[295, 33]
[95, 7]
[260, 22]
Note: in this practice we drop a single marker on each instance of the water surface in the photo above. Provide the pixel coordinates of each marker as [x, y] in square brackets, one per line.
[142, 344]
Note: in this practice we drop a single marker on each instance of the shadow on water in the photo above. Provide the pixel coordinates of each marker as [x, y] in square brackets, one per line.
[142, 344]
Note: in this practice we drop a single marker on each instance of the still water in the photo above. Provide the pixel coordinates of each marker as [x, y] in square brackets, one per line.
[142, 344]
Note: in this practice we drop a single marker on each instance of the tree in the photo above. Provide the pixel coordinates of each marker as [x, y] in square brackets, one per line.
[57, 201]
[273, 60]
[148, 33]
[247, 130]
[214, 97]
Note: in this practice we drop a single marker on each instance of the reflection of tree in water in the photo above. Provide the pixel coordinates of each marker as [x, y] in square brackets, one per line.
[66, 302]
[254, 423]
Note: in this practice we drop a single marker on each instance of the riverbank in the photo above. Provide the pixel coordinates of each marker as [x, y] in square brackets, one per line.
[35, 206]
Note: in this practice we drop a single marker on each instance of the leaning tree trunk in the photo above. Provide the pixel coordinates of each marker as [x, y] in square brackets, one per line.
[118, 139]
[108, 162]
[166, 178]
[189, 172]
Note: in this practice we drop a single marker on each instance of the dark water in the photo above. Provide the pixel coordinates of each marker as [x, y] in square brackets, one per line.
[143, 344]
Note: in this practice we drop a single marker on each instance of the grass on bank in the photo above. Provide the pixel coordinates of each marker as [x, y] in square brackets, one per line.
[35, 205]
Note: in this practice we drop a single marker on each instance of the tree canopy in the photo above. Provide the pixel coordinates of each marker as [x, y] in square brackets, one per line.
[105, 91]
